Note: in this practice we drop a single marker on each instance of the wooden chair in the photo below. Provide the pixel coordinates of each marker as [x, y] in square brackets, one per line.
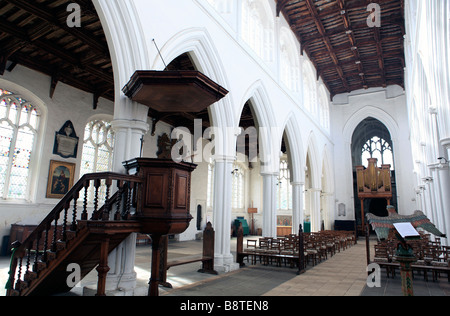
[251, 249]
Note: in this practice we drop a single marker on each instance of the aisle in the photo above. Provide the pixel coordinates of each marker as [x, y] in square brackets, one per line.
[342, 275]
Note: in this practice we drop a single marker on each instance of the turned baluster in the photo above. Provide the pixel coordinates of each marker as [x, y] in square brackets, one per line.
[36, 257]
[55, 233]
[117, 215]
[107, 208]
[130, 189]
[19, 274]
[74, 212]
[84, 214]
[47, 230]
[27, 267]
[97, 183]
[64, 227]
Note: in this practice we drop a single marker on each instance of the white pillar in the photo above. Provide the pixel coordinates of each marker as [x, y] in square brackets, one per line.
[270, 181]
[223, 259]
[129, 133]
[298, 217]
[316, 219]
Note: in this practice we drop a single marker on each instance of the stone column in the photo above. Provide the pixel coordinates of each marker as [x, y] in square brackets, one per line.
[316, 219]
[298, 217]
[270, 181]
[223, 259]
[128, 135]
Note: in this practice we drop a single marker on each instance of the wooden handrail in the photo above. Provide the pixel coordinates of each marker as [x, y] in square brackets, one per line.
[35, 249]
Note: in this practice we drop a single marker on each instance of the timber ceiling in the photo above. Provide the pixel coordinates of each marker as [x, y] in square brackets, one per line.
[35, 34]
[346, 52]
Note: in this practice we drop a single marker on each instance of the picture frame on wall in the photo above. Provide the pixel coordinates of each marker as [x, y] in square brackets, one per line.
[60, 179]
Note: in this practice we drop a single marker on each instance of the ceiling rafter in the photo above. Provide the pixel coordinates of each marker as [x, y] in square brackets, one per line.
[313, 11]
[35, 34]
[347, 53]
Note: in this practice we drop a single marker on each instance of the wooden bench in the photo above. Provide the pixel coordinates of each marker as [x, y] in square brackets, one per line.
[392, 266]
[297, 260]
[207, 259]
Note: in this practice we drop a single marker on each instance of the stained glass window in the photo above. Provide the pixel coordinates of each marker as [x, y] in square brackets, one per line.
[19, 122]
[238, 191]
[284, 188]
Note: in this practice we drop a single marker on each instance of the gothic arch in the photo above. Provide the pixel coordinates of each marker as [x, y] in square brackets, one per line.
[366, 112]
[269, 133]
[199, 44]
[296, 149]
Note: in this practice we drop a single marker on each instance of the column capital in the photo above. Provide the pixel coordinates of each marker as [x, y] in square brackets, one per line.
[224, 158]
[142, 126]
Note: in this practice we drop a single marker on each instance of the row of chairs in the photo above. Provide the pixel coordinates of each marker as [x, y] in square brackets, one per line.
[431, 255]
[317, 247]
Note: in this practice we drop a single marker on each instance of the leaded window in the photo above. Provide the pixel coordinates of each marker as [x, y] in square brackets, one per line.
[284, 188]
[238, 191]
[97, 148]
[19, 122]
[97, 152]
[377, 147]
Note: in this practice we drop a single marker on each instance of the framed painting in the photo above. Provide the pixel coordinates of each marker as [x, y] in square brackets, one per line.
[60, 179]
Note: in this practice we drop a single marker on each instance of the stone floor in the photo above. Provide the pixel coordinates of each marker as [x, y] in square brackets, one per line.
[341, 275]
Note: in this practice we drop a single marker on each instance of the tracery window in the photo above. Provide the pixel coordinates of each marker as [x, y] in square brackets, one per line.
[309, 91]
[97, 155]
[284, 188]
[97, 148]
[289, 69]
[238, 191]
[324, 110]
[379, 148]
[19, 123]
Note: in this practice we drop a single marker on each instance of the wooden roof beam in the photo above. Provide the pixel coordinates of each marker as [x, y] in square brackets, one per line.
[313, 11]
[59, 22]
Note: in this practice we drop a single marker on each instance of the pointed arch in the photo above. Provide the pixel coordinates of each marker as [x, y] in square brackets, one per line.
[315, 160]
[296, 149]
[198, 43]
[269, 132]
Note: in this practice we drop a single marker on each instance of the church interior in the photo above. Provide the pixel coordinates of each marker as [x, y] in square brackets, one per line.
[312, 125]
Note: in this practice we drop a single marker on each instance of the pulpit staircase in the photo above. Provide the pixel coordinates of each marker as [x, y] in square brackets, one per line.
[76, 232]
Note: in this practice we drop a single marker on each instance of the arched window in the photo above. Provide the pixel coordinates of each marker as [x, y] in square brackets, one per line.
[258, 27]
[238, 192]
[19, 123]
[309, 90]
[324, 109]
[284, 188]
[289, 61]
[97, 148]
